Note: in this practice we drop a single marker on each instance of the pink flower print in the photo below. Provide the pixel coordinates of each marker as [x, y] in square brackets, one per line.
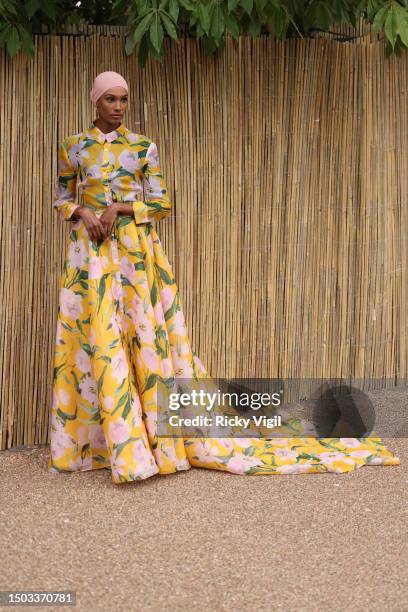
[146, 331]
[119, 366]
[83, 436]
[119, 431]
[81, 463]
[350, 442]
[95, 267]
[60, 440]
[117, 465]
[94, 171]
[328, 458]
[294, 468]
[142, 308]
[238, 464]
[286, 453]
[128, 269]
[82, 361]
[152, 154]
[114, 323]
[108, 402]
[77, 254]
[150, 245]
[129, 160]
[64, 397]
[132, 137]
[151, 420]
[360, 453]
[182, 368]
[167, 298]
[158, 312]
[184, 349]
[139, 362]
[179, 324]
[77, 153]
[167, 368]
[97, 437]
[128, 242]
[136, 407]
[200, 366]
[226, 443]
[116, 289]
[139, 450]
[59, 333]
[71, 304]
[88, 390]
[204, 451]
[92, 337]
[375, 461]
[278, 441]
[149, 357]
[243, 442]
[182, 464]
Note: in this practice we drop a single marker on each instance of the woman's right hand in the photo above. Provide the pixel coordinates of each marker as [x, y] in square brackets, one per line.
[93, 225]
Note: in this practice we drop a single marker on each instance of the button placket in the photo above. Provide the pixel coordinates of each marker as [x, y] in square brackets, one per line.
[114, 244]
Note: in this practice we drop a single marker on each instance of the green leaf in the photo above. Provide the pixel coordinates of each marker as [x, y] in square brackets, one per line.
[49, 8]
[143, 27]
[169, 25]
[151, 381]
[254, 28]
[232, 25]
[153, 294]
[13, 42]
[129, 45]
[247, 5]
[217, 22]
[402, 25]
[156, 32]
[164, 275]
[204, 17]
[4, 34]
[232, 4]
[9, 7]
[32, 7]
[174, 10]
[142, 53]
[379, 19]
[391, 26]
[189, 6]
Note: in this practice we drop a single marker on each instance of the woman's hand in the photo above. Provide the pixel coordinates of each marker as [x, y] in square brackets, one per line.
[108, 218]
[98, 228]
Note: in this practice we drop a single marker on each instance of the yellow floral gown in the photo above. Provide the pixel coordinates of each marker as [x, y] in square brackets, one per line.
[121, 331]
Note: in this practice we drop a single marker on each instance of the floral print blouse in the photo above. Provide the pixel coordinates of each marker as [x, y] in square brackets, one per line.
[120, 166]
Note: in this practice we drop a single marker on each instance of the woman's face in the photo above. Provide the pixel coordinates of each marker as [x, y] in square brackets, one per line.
[112, 105]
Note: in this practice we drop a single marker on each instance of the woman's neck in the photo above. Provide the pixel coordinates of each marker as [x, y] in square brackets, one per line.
[104, 126]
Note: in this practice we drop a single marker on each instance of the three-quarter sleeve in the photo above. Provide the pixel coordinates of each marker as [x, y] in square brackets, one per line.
[65, 188]
[156, 198]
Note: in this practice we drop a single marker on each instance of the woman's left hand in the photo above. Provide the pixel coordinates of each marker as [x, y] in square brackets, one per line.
[108, 218]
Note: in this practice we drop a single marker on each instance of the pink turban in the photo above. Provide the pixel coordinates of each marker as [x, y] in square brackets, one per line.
[104, 81]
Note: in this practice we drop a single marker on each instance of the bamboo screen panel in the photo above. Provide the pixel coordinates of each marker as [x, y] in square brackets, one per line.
[287, 167]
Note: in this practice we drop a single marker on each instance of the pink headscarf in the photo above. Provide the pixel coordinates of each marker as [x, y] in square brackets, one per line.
[104, 81]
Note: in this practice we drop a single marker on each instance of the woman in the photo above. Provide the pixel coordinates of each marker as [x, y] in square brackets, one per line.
[121, 331]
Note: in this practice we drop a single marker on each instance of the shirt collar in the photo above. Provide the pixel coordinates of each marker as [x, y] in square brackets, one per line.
[96, 134]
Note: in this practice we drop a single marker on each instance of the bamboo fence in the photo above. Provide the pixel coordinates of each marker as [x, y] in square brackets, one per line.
[287, 167]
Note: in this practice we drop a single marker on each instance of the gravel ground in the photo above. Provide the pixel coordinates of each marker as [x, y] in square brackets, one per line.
[207, 540]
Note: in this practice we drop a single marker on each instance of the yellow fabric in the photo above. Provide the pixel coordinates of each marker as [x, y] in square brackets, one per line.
[121, 331]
